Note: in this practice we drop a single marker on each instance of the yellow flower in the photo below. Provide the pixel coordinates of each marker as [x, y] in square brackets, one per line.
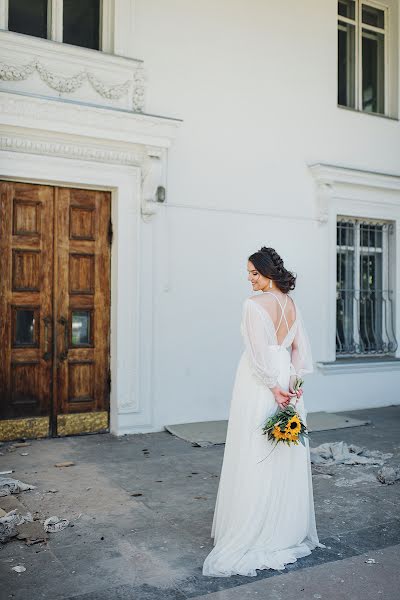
[293, 426]
[277, 433]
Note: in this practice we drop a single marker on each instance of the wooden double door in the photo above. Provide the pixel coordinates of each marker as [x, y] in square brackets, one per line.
[54, 310]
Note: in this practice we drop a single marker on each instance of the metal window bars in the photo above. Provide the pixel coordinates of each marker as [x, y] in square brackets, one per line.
[364, 298]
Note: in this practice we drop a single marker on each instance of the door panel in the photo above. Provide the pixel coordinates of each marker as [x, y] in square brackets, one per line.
[54, 309]
[26, 283]
[82, 303]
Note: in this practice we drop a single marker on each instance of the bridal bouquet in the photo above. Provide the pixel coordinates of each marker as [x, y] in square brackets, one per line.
[286, 425]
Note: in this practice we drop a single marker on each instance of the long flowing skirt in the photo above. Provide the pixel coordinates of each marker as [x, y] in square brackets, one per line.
[264, 514]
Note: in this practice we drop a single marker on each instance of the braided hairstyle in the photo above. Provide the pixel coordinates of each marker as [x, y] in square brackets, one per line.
[268, 262]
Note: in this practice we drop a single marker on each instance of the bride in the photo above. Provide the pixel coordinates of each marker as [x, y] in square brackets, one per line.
[264, 514]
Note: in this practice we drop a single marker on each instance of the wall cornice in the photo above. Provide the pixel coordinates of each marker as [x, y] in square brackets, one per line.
[331, 174]
[354, 188]
[72, 118]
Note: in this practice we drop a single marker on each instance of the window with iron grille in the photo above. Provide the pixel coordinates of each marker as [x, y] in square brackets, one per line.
[364, 291]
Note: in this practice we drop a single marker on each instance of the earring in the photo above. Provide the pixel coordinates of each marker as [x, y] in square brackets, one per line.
[270, 283]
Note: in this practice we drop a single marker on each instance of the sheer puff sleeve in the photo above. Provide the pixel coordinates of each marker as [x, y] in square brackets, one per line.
[260, 343]
[301, 361]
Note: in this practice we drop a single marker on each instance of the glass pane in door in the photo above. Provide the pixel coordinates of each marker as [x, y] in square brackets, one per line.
[24, 327]
[81, 328]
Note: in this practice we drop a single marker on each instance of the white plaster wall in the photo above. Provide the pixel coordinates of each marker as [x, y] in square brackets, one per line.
[255, 83]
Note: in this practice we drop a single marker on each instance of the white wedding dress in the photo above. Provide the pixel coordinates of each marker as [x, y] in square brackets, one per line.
[264, 514]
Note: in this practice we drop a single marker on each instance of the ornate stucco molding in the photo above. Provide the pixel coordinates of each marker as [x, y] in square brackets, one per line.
[112, 92]
[11, 143]
[67, 85]
[58, 82]
[138, 96]
[14, 73]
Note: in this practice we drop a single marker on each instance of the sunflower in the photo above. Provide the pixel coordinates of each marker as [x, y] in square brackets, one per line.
[293, 426]
[277, 433]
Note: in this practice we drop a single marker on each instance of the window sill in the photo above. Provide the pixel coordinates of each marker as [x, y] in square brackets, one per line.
[359, 365]
[365, 112]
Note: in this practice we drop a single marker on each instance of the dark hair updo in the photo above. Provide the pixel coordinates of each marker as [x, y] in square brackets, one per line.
[268, 262]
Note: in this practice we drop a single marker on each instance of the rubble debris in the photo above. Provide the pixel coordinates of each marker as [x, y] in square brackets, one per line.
[9, 523]
[52, 491]
[388, 475]
[31, 533]
[8, 503]
[54, 524]
[19, 568]
[13, 486]
[7, 472]
[341, 453]
[67, 463]
[370, 561]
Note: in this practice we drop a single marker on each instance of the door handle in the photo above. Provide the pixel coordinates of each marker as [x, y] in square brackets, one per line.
[64, 322]
[47, 322]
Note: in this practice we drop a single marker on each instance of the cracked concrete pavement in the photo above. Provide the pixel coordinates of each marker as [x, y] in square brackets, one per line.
[140, 509]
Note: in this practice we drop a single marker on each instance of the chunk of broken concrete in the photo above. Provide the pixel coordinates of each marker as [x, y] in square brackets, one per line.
[9, 523]
[388, 475]
[19, 568]
[340, 453]
[32, 533]
[54, 524]
[8, 503]
[13, 486]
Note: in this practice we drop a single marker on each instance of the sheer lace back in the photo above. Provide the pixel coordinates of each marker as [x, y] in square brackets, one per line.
[267, 328]
[281, 314]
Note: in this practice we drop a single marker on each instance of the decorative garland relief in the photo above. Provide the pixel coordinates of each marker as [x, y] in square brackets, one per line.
[71, 84]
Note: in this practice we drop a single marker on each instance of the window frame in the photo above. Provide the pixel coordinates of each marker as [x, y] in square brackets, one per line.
[388, 335]
[359, 26]
[55, 23]
[346, 192]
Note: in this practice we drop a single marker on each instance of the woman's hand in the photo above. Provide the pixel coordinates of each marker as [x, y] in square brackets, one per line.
[281, 396]
[297, 393]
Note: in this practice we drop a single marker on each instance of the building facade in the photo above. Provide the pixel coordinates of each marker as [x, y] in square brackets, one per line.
[125, 234]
